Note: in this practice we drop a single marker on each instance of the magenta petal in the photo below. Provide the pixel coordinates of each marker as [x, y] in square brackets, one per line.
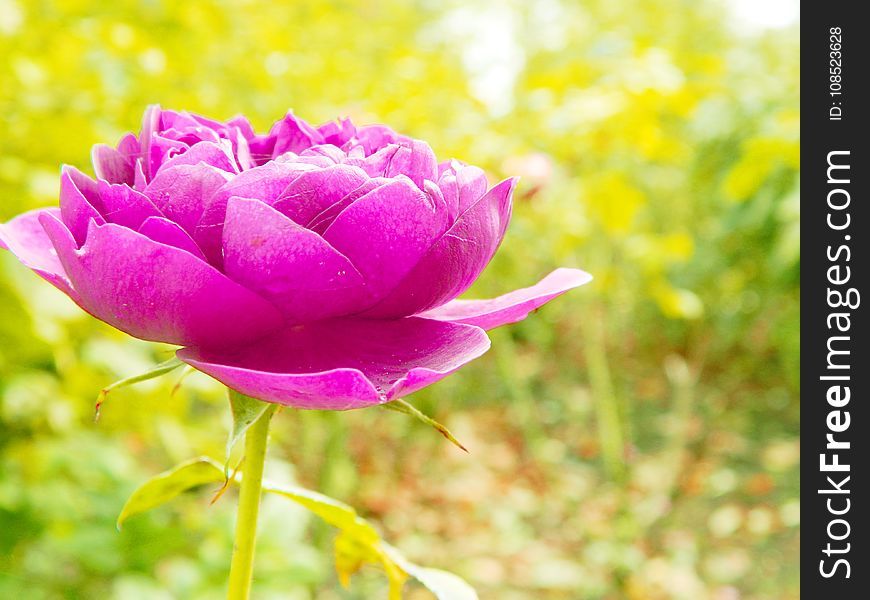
[265, 183]
[150, 127]
[111, 165]
[453, 262]
[290, 134]
[375, 165]
[182, 192]
[217, 154]
[337, 133]
[125, 206]
[343, 363]
[321, 222]
[162, 150]
[294, 268]
[330, 151]
[140, 181]
[241, 123]
[374, 137]
[386, 232]
[314, 191]
[156, 292]
[166, 232]
[79, 198]
[512, 307]
[462, 186]
[415, 159]
[26, 239]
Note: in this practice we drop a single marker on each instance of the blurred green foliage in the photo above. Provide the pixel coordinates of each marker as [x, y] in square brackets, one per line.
[637, 438]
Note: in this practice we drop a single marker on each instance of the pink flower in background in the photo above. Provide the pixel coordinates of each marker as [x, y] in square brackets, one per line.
[315, 267]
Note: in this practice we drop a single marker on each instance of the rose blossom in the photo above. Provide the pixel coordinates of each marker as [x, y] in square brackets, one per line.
[315, 267]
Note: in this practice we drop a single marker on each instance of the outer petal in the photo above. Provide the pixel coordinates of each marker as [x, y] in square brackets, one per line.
[157, 292]
[294, 268]
[79, 199]
[166, 232]
[26, 239]
[452, 264]
[125, 206]
[512, 307]
[386, 232]
[344, 363]
[314, 191]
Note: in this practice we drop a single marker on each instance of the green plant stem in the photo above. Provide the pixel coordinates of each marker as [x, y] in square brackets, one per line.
[242, 566]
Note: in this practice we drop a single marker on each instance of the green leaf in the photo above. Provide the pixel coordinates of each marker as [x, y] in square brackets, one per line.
[336, 513]
[169, 484]
[359, 543]
[246, 411]
[445, 586]
[161, 369]
[404, 407]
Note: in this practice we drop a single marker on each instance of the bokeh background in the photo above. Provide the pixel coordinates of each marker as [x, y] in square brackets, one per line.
[637, 438]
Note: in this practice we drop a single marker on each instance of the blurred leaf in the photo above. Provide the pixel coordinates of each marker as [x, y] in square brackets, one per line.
[169, 484]
[359, 543]
[409, 409]
[161, 369]
[445, 586]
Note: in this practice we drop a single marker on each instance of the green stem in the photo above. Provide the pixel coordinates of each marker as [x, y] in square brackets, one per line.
[242, 566]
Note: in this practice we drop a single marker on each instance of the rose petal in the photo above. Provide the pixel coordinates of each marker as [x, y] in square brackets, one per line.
[244, 126]
[374, 137]
[124, 205]
[265, 183]
[26, 239]
[290, 134]
[386, 232]
[166, 232]
[150, 127]
[116, 166]
[294, 268]
[374, 165]
[140, 181]
[314, 191]
[156, 292]
[217, 154]
[79, 198]
[415, 159]
[333, 153]
[462, 186]
[338, 133]
[321, 222]
[512, 307]
[453, 262]
[182, 193]
[163, 149]
[343, 363]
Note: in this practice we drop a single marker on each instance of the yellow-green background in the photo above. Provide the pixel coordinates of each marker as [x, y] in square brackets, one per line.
[637, 438]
